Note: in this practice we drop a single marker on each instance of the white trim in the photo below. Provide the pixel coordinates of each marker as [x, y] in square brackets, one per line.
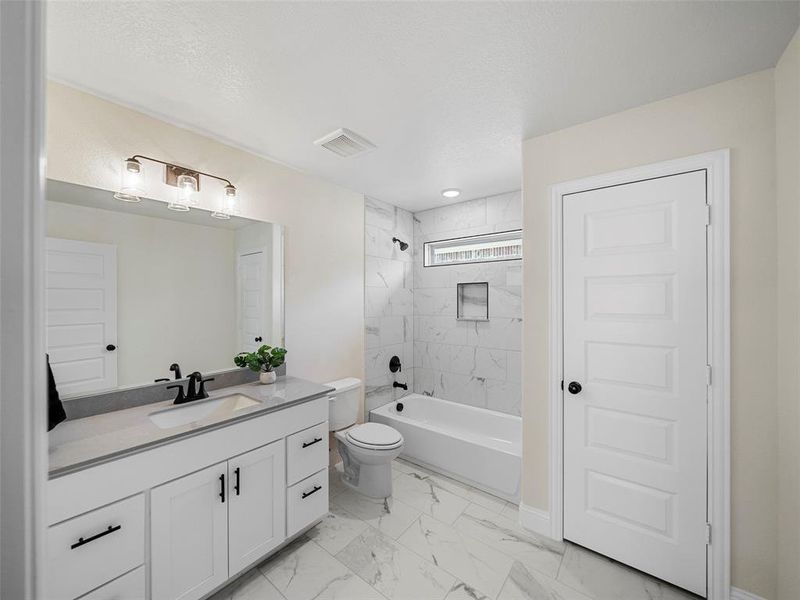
[717, 164]
[23, 441]
[535, 519]
[737, 594]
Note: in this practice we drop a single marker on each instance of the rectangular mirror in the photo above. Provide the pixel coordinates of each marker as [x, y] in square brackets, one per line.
[132, 288]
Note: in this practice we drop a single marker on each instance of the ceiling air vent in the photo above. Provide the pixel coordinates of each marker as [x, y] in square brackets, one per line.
[345, 143]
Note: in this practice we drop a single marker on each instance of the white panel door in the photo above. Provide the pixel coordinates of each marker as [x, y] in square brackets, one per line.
[81, 305]
[257, 510]
[635, 340]
[251, 301]
[189, 535]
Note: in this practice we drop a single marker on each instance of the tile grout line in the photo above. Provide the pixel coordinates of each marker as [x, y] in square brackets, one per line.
[337, 559]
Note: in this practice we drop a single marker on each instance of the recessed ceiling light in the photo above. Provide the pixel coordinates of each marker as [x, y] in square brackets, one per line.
[451, 193]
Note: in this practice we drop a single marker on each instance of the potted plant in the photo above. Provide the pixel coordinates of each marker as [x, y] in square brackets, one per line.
[263, 361]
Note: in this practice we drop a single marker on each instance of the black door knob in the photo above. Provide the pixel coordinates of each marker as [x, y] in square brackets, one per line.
[574, 387]
[111, 347]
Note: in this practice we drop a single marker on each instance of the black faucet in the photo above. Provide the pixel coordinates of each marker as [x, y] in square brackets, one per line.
[176, 368]
[197, 394]
[400, 385]
[180, 398]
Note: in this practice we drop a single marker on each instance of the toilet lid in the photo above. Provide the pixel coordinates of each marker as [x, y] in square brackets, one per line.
[374, 435]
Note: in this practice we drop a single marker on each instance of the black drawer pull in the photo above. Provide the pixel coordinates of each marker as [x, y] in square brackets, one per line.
[311, 443]
[222, 487]
[314, 491]
[82, 541]
[237, 486]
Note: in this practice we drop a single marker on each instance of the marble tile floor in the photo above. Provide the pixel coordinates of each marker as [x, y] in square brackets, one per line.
[435, 539]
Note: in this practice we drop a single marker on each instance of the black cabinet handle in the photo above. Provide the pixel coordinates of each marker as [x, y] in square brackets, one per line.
[82, 541]
[236, 485]
[314, 491]
[222, 487]
[258, 339]
[311, 443]
[111, 347]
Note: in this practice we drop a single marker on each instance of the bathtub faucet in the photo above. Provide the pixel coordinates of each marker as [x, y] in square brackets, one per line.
[400, 385]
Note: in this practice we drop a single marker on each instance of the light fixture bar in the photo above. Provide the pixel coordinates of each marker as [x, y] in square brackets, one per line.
[177, 170]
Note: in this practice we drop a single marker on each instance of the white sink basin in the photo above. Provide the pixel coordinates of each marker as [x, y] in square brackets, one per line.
[201, 409]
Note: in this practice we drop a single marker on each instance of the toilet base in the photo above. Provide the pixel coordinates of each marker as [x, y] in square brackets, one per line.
[374, 481]
[368, 472]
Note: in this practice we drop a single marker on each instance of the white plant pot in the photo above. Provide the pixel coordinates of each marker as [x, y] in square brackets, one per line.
[267, 377]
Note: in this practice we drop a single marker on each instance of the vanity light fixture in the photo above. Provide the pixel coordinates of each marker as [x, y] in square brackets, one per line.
[228, 204]
[451, 193]
[186, 180]
[132, 187]
[187, 188]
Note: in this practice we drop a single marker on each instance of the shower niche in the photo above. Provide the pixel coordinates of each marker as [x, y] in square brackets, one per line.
[472, 301]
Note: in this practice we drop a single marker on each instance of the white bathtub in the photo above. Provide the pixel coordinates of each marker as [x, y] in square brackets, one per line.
[480, 447]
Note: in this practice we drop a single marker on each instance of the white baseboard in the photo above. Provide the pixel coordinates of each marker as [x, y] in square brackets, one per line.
[535, 520]
[737, 594]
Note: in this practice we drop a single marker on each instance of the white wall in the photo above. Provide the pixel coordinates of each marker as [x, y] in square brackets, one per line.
[470, 362]
[389, 325]
[87, 138]
[176, 289]
[738, 114]
[787, 118]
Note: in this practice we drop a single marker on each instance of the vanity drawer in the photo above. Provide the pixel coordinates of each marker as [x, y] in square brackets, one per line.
[130, 586]
[306, 502]
[92, 549]
[306, 452]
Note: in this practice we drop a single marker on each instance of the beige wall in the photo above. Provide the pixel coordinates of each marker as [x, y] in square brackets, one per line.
[737, 114]
[787, 119]
[171, 276]
[88, 137]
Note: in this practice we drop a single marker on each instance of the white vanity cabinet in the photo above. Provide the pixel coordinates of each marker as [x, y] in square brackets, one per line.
[189, 535]
[256, 505]
[214, 504]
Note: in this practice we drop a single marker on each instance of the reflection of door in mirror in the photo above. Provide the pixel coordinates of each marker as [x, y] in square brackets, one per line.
[251, 301]
[81, 292]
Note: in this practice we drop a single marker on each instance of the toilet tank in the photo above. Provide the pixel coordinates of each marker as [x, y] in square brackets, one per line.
[343, 403]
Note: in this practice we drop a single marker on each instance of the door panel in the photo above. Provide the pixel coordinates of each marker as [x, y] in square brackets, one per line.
[635, 338]
[189, 535]
[81, 304]
[257, 523]
[251, 301]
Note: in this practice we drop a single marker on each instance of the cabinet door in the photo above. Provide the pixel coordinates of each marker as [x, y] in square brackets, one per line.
[189, 535]
[256, 517]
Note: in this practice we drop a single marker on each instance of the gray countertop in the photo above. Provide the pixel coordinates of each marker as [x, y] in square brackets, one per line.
[82, 443]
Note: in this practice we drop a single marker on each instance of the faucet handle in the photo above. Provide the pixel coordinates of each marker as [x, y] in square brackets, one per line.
[202, 393]
[180, 398]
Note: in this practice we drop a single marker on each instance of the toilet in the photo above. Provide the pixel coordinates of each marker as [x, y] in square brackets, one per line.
[367, 450]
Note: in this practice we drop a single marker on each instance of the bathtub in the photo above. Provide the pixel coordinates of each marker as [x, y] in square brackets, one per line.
[480, 447]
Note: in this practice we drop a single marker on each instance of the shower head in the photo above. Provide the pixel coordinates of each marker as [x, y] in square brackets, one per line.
[403, 245]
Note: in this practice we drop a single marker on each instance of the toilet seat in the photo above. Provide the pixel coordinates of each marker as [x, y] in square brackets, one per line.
[374, 436]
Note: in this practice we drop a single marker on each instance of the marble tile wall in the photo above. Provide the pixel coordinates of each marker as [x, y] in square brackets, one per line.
[476, 363]
[389, 301]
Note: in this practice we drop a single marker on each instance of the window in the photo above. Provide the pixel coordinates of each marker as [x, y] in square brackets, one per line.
[489, 247]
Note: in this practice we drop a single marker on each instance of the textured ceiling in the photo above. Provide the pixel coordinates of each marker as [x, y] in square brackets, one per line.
[446, 90]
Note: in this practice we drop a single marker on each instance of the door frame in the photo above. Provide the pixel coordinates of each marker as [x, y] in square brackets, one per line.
[717, 165]
[23, 375]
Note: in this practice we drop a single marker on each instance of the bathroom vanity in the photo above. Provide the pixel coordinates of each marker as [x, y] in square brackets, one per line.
[142, 503]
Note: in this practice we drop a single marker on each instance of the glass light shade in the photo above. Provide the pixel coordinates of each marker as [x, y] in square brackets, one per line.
[187, 190]
[132, 186]
[228, 204]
